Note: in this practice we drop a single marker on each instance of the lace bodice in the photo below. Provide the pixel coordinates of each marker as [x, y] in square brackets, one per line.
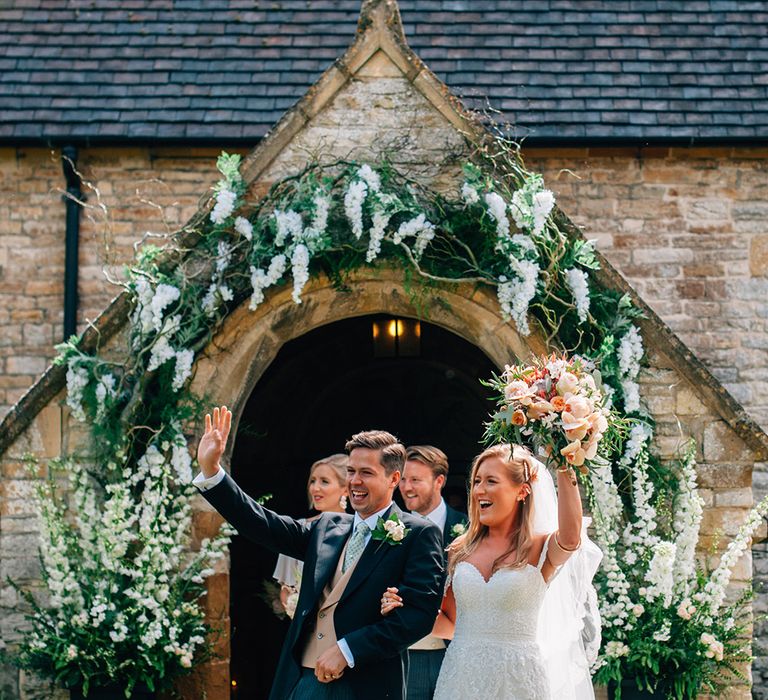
[506, 607]
[494, 654]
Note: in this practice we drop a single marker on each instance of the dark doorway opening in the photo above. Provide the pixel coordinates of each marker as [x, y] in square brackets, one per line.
[322, 388]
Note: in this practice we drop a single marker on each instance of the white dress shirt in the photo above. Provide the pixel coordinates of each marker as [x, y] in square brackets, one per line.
[204, 484]
[438, 516]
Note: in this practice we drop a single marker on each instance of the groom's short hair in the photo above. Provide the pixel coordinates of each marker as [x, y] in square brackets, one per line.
[392, 452]
[432, 457]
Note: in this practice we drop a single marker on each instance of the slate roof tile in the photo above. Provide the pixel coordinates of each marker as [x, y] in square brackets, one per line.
[228, 69]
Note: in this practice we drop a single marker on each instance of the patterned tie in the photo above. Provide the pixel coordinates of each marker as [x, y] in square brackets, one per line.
[355, 546]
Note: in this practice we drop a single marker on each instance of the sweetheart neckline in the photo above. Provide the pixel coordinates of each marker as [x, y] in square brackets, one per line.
[504, 568]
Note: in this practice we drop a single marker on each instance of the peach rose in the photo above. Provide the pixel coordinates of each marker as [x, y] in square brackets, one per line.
[578, 406]
[558, 403]
[518, 418]
[567, 384]
[539, 409]
[574, 453]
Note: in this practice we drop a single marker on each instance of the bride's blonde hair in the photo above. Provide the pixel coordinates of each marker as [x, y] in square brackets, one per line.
[521, 469]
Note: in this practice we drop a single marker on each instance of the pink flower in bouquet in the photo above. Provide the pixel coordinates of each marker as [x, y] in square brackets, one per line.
[519, 391]
[567, 384]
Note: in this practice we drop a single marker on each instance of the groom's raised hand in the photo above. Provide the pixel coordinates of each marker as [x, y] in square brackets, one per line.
[214, 440]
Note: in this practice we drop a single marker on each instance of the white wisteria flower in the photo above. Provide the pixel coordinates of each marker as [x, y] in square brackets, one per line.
[299, 270]
[184, 360]
[577, 281]
[515, 295]
[225, 205]
[376, 234]
[629, 354]
[289, 226]
[77, 379]
[261, 280]
[497, 208]
[353, 206]
[469, 194]
[244, 227]
[371, 177]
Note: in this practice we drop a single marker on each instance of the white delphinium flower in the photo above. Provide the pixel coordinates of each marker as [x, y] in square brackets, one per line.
[659, 575]
[639, 435]
[105, 388]
[225, 205]
[714, 591]
[469, 194]
[260, 279]
[184, 360]
[688, 512]
[77, 380]
[641, 532]
[629, 354]
[163, 295]
[371, 177]
[299, 270]
[516, 295]
[376, 234]
[289, 225]
[497, 208]
[577, 283]
[223, 256]
[353, 205]
[244, 227]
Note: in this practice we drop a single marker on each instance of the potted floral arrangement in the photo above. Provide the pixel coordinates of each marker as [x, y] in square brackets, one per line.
[122, 617]
[668, 629]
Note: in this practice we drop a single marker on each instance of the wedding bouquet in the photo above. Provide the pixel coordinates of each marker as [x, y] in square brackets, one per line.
[555, 406]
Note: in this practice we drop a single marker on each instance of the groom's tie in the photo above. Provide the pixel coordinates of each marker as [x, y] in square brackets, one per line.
[355, 546]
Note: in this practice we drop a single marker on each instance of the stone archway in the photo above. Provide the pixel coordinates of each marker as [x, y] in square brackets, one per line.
[249, 341]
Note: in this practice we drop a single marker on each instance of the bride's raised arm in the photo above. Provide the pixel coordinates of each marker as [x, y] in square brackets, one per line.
[567, 538]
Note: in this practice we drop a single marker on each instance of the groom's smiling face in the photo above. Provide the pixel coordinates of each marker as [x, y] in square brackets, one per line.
[370, 487]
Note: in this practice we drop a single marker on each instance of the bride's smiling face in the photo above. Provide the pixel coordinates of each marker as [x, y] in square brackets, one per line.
[494, 493]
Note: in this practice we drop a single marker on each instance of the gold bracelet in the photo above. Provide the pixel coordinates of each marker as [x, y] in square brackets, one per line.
[566, 549]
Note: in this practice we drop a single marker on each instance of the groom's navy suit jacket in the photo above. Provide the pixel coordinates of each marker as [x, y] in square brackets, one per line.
[377, 643]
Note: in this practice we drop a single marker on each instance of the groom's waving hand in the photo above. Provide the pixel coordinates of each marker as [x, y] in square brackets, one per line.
[339, 646]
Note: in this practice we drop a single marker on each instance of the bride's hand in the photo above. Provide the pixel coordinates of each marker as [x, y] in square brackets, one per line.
[390, 600]
[214, 440]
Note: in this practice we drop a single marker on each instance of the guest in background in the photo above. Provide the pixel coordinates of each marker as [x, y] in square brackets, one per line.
[424, 476]
[327, 493]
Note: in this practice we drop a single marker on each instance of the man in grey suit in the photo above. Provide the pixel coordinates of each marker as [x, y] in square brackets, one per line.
[339, 647]
[426, 471]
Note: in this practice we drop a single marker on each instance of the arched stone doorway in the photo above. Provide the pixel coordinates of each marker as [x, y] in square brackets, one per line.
[321, 388]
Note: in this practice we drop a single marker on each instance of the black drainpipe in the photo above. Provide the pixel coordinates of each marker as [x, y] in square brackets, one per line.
[72, 200]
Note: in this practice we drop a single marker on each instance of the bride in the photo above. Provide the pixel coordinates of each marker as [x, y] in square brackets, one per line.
[515, 617]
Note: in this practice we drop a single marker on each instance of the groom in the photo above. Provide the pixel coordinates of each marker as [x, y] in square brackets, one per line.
[339, 647]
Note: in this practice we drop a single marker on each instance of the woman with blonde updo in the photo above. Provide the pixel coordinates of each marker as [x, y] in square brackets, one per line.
[519, 535]
[327, 493]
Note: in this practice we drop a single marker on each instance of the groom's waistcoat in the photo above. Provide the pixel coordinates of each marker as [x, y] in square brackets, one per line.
[323, 635]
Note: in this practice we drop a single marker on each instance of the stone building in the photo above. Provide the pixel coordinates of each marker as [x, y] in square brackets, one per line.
[650, 138]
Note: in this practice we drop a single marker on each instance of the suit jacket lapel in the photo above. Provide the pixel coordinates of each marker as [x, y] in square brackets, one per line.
[329, 551]
[373, 553]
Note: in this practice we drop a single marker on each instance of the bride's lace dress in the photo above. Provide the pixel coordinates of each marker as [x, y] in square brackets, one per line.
[494, 654]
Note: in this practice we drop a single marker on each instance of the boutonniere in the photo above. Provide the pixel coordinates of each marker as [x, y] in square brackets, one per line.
[458, 529]
[392, 530]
